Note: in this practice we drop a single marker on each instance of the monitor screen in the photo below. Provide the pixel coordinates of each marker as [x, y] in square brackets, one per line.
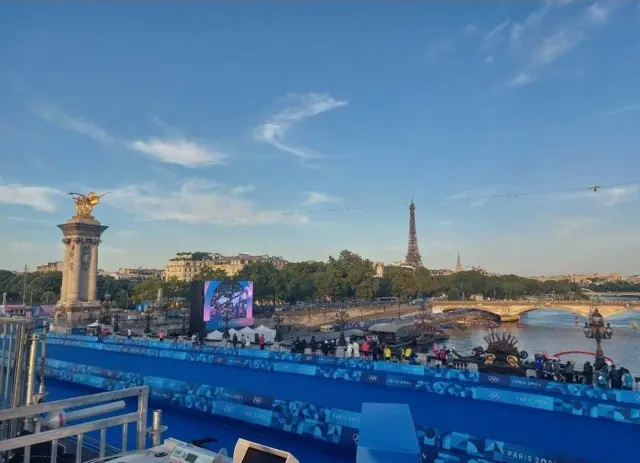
[254, 455]
[228, 304]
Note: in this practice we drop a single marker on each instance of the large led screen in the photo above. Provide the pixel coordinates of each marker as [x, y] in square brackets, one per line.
[234, 298]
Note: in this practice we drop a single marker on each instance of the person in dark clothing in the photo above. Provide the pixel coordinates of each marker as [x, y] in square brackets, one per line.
[587, 370]
[303, 345]
[234, 341]
[568, 372]
[375, 350]
[313, 344]
[615, 378]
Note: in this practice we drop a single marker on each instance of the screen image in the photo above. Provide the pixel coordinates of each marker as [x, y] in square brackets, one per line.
[232, 297]
[258, 456]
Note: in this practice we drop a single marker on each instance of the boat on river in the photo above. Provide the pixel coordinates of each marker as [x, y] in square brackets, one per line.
[395, 335]
[430, 338]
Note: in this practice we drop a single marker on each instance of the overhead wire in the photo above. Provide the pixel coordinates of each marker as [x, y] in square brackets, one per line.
[310, 210]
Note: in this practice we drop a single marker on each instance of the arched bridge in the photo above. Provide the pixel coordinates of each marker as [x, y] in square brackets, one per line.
[516, 308]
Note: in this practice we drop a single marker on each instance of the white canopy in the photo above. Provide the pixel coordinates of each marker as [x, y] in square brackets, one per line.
[232, 331]
[214, 336]
[94, 324]
[268, 333]
[247, 331]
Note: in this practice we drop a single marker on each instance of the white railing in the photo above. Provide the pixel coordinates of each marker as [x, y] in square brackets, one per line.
[30, 416]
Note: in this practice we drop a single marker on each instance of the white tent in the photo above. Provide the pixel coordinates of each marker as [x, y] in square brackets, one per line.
[247, 331]
[214, 336]
[233, 331]
[94, 324]
[268, 333]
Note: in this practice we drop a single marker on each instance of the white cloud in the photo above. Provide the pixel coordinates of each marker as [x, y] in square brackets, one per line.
[179, 151]
[475, 198]
[596, 13]
[439, 49]
[242, 189]
[489, 59]
[75, 124]
[545, 35]
[556, 46]
[470, 30]
[195, 202]
[274, 131]
[618, 195]
[316, 197]
[496, 35]
[623, 109]
[521, 79]
[36, 197]
[609, 196]
[567, 226]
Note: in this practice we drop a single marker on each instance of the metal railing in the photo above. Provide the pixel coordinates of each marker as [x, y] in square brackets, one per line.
[30, 415]
[18, 357]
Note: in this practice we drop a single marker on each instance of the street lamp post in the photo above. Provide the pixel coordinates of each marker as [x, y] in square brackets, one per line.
[147, 315]
[226, 317]
[184, 311]
[341, 319]
[595, 329]
[278, 319]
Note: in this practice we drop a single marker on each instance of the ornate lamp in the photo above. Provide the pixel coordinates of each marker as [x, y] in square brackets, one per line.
[595, 329]
[341, 319]
[278, 319]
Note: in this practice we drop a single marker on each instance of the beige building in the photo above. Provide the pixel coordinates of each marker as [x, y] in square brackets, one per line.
[585, 278]
[138, 274]
[50, 267]
[185, 266]
[379, 266]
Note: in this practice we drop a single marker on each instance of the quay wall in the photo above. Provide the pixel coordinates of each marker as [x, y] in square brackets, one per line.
[452, 409]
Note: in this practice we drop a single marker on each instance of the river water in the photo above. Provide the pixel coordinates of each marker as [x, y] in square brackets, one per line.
[556, 331]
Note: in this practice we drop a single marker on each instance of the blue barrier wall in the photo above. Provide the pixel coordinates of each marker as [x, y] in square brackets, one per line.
[540, 429]
[593, 401]
[337, 428]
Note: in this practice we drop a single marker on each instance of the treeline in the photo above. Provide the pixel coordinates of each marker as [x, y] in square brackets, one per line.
[615, 287]
[345, 277]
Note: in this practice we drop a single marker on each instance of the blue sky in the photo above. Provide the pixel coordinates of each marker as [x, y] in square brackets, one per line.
[247, 127]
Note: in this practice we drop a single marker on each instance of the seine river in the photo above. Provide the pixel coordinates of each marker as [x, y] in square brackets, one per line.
[556, 331]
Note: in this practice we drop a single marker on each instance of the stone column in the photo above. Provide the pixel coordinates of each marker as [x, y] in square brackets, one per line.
[75, 270]
[65, 270]
[92, 295]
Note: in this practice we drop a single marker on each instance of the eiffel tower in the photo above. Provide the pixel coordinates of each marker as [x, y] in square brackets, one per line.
[413, 254]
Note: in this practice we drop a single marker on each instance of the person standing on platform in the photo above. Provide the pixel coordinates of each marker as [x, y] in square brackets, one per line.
[435, 350]
[587, 371]
[365, 349]
[627, 380]
[161, 335]
[387, 354]
[234, 340]
[242, 341]
[129, 333]
[247, 342]
[262, 342]
[313, 344]
[356, 349]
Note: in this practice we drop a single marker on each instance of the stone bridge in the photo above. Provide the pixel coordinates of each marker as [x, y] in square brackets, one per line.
[516, 308]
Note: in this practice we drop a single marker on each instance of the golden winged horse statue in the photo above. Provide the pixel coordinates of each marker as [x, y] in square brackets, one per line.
[85, 204]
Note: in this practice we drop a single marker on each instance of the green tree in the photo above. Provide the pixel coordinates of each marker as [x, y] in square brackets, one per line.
[211, 274]
[266, 280]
